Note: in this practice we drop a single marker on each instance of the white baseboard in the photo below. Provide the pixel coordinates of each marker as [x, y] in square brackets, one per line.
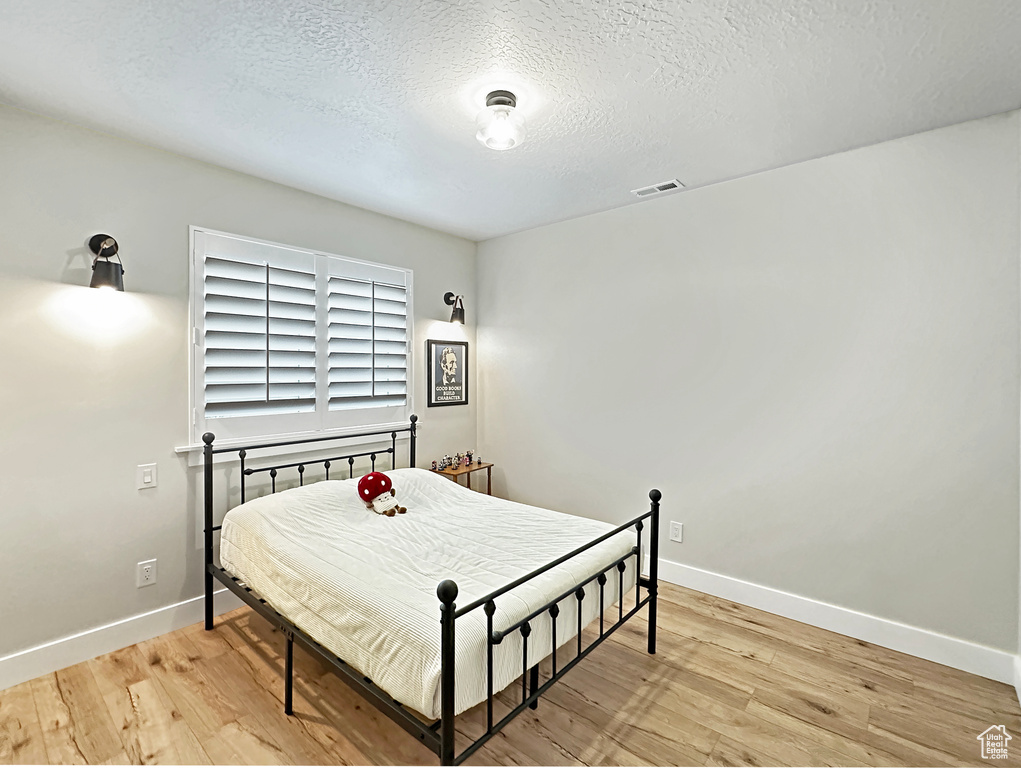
[943, 649]
[57, 654]
[1017, 677]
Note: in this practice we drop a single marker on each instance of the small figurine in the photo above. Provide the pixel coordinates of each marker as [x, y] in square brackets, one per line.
[471, 459]
[434, 465]
[377, 491]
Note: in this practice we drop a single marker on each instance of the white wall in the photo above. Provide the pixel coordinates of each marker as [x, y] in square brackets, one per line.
[93, 384]
[818, 366]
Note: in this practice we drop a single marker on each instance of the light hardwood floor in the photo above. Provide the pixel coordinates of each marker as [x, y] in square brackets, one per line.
[729, 685]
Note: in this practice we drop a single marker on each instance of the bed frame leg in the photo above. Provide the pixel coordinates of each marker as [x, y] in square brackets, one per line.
[207, 452]
[447, 593]
[655, 496]
[209, 601]
[289, 677]
[533, 685]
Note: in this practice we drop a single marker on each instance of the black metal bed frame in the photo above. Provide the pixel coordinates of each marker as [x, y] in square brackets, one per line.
[439, 735]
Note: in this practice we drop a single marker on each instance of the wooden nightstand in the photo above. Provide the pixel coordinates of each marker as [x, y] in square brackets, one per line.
[455, 472]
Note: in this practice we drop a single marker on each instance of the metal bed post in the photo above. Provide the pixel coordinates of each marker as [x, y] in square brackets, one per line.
[653, 587]
[207, 452]
[289, 676]
[447, 593]
[414, 432]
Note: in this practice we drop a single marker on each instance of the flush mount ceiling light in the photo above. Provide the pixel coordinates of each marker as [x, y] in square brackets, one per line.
[500, 125]
[106, 273]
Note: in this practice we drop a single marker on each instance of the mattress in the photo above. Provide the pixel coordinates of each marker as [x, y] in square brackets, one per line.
[364, 585]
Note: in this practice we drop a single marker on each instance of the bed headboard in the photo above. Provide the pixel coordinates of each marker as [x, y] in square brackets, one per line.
[334, 462]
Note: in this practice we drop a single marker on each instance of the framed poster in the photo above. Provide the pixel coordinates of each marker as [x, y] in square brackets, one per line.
[448, 372]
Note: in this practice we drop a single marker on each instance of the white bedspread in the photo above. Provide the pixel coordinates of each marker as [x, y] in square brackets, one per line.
[364, 585]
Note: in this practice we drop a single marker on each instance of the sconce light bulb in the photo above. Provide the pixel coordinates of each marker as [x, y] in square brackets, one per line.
[457, 302]
[107, 274]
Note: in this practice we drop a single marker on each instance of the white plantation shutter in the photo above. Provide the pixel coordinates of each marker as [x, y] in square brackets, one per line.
[260, 339]
[293, 341]
[368, 344]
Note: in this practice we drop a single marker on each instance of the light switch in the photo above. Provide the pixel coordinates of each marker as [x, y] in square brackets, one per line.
[146, 476]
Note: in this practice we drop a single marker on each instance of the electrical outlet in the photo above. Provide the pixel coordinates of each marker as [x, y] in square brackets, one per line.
[676, 532]
[146, 574]
[145, 476]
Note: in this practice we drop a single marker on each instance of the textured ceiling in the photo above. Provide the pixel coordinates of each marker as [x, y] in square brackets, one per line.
[373, 103]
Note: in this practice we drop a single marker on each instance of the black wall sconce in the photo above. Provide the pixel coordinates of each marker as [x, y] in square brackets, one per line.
[457, 302]
[106, 273]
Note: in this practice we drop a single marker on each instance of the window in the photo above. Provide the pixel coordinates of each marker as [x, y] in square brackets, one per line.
[289, 341]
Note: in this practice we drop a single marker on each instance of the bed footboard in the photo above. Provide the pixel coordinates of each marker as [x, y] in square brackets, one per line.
[531, 689]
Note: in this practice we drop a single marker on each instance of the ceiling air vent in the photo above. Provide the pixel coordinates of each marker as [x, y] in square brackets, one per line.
[658, 189]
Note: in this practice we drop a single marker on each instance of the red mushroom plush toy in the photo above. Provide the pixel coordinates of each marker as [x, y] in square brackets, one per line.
[377, 491]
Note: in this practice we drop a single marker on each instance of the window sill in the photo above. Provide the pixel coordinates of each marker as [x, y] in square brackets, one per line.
[194, 452]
